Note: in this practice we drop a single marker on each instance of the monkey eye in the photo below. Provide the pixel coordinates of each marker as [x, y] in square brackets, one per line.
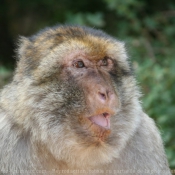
[104, 62]
[79, 64]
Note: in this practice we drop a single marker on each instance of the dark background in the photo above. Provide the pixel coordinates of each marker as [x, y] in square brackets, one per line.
[147, 27]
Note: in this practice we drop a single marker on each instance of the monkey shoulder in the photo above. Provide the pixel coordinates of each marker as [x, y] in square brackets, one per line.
[144, 152]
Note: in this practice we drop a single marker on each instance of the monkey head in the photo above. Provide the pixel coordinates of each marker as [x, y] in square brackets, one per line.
[78, 94]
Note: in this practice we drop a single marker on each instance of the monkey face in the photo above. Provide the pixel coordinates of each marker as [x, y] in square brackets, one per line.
[84, 93]
[100, 100]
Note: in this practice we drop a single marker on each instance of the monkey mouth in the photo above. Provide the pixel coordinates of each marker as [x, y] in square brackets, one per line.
[102, 120]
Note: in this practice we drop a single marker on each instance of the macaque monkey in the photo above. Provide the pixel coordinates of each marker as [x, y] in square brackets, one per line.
[73, 108]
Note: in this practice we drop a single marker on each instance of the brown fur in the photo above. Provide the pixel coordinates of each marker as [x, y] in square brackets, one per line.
[44, 112]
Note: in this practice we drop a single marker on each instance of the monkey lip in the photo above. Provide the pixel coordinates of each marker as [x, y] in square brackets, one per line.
[102, 120]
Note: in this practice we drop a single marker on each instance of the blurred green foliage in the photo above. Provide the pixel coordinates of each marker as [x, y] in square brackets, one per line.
[147, 27]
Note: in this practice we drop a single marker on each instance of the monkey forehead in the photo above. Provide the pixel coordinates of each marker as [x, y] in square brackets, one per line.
[94, 42]
[90, 47]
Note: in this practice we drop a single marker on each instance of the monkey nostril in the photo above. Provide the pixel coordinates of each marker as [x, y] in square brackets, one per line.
[102, 96]
[105, 114]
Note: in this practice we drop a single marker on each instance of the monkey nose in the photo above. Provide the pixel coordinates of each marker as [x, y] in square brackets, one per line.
[105, 98]
[102, 100]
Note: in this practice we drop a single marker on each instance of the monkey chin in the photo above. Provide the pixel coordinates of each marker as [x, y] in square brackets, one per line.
[97, 126]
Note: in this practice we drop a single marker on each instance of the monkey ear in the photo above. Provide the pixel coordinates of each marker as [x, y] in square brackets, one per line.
[124, 50]
[123, 45]
[22, 54]
[23, 45]
[121, 50]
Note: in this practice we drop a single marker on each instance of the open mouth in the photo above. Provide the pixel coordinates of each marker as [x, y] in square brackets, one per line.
[102, 120]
